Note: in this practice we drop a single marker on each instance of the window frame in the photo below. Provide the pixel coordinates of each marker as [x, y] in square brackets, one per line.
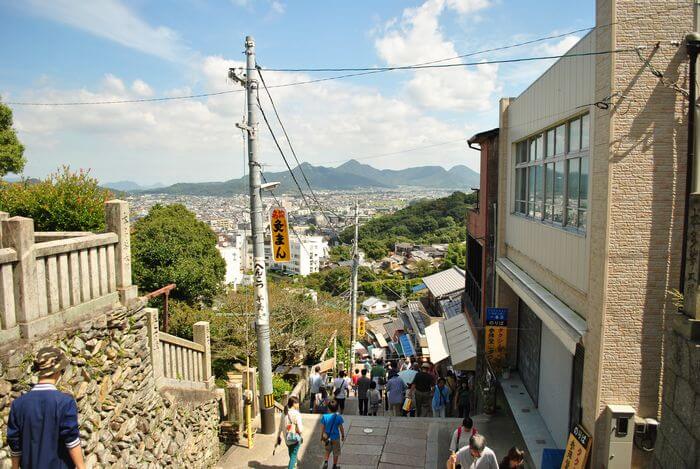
[528, 163]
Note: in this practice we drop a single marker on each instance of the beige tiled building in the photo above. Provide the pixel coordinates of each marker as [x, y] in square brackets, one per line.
[591, 200]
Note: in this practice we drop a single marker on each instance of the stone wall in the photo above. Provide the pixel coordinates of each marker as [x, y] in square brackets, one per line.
[678, 443]
[125, 421]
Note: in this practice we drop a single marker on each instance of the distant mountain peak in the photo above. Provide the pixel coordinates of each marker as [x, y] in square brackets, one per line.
[350, 175]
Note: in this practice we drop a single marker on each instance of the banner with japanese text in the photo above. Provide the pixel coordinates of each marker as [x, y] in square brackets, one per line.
[577, 448]
[280, 235]
[496, 335]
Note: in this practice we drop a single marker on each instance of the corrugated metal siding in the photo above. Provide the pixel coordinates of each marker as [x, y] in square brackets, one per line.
[553, 98]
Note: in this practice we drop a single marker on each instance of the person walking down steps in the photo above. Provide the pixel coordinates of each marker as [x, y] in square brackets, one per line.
[290, 429]
[340, 390]
[332, 433]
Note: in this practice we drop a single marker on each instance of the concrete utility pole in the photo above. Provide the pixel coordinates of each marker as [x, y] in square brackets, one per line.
[262, 322]
[353, 298]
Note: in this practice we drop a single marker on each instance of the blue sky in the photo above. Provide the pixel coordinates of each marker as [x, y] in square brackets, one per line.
[61, 50]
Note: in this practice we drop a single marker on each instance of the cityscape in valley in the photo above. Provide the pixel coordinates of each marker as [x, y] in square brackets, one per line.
[442, 233]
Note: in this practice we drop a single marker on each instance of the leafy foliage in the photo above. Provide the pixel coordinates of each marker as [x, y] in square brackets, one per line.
[11, 150]
[456, 255]
[64, 201]
[299, 328]
[169, 245]
[341, 252]
[425, 221]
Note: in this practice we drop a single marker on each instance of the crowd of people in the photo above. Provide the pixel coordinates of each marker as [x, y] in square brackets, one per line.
[398, 388]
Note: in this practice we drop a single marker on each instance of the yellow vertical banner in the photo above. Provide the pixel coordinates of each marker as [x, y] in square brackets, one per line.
[361, 326]
[496, 335]
[280, 235]
[577, 448]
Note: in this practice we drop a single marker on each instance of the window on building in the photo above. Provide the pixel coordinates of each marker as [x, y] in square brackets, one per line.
[551, 174]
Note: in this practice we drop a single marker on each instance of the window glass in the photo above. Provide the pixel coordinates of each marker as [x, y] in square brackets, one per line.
[558, 192]
[540, 147]
[548, 187]
[539, 192]
[559, 139]
[582, 219]
[531, 192]
[583, 185]
[575, 135]
[533, 149]
[520, 190]
[550, 143]
[521, 152]
[585, 131]
[572, 183]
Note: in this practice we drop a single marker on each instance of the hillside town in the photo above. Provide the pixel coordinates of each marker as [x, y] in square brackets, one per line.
[512, 282]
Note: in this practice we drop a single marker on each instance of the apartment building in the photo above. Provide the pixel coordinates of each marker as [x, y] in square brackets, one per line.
[307, 254]
[590, 201]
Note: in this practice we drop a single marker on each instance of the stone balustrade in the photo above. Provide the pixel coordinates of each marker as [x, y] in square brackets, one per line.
[180, 363]
[48, 280]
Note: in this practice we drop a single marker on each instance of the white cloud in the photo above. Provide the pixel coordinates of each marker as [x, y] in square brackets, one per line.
[141, 88]
[196, 139]
[112, 20]
[559, 47]
[277, 7]
[417, 37]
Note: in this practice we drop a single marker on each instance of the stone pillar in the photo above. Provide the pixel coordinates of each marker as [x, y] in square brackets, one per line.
[691, 297]
[200, 333]
[18, 234]
[304, 378]
[117, 221]
[3, 216]
[154, 343]
[234, 402]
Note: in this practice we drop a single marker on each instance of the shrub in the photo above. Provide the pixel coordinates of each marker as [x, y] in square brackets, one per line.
[64, 201]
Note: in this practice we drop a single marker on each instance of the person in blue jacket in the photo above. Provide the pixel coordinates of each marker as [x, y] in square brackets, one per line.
[441, 399]
[42, 430]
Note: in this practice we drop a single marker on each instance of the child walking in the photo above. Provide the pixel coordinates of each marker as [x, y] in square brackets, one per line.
[374, 397]
[332, 433]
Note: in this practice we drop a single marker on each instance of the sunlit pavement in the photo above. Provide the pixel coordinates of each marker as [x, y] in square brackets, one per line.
[377, 442]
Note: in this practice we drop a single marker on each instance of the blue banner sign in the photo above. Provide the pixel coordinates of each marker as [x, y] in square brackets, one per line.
[496, 316]
[407, 346]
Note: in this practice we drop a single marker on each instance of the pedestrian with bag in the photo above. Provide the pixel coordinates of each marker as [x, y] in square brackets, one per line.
[362, 388]
[461, 436]
[290, 430]
[375, 399]
[332, 433]
[463, 399]
[315, 383]
[441, 399]
[42, 429]
[340, 390]
[424, 382]
[395, 391]
[409, 404]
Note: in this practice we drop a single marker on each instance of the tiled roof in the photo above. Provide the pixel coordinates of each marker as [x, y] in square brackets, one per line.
[445, 282]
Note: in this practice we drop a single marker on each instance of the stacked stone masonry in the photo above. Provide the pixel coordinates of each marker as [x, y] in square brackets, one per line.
[678, 443]
[124, 420]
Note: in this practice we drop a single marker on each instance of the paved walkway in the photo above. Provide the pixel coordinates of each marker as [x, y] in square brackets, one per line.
[377, 442]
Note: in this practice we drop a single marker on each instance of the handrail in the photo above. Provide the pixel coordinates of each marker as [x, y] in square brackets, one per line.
[45, 236]
[62, 246]
[7, 255]
[180, 342]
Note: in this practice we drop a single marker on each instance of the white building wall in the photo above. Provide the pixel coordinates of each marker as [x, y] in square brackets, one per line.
[232, 257]
[556, 365]
[562, 92]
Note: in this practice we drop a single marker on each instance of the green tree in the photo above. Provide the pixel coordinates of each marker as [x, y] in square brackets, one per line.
[423, 268]
[64, 201]
[456, 255]
[169, 245]
[341, 252]
[11, 150]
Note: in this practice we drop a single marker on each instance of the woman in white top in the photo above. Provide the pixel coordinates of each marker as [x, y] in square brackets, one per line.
[290, 430]
[340, 390]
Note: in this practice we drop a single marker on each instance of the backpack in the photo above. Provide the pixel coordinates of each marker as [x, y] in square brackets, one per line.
[459, 435]
[292, 437]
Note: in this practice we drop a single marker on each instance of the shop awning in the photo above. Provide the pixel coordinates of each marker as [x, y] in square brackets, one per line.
[453, 339]
[564, 322]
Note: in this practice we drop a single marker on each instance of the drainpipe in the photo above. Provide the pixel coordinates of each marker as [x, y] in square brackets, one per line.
[691, 177]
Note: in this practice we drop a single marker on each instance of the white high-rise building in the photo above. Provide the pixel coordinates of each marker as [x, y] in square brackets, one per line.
[307, 252]
[232, 249]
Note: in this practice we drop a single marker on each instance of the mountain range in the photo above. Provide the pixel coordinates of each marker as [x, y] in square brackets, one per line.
[350, 175]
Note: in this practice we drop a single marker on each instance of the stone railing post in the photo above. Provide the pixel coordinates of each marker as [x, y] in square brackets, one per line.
[3, 216]
[234, 397]
[304, 378]
[155, 345]
[200, 334]
[18, 234]
[117, 221]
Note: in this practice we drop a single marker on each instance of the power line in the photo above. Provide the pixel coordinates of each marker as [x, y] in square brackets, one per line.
[289, 142]
[360, 72]
[441, 65]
